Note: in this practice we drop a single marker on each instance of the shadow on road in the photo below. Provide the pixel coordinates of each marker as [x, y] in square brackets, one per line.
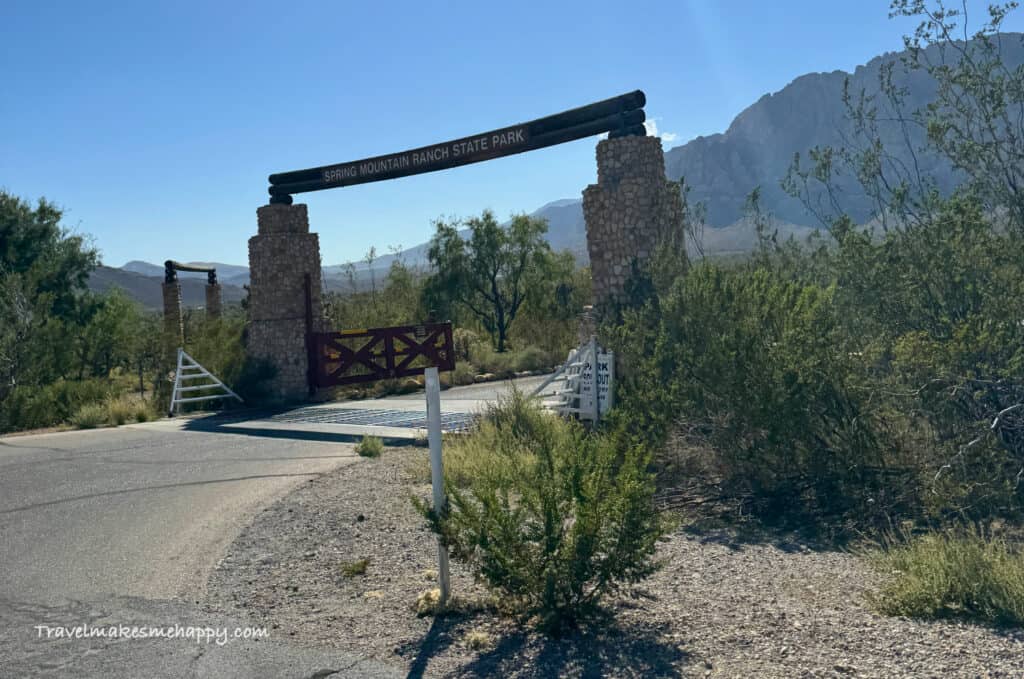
[227, 424]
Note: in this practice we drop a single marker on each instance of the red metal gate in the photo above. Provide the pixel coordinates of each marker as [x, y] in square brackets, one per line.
[366, 355]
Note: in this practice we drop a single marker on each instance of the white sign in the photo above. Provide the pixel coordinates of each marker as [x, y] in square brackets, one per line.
[605, 376]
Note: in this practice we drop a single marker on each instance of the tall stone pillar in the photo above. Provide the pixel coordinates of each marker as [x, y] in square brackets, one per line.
[213, 302]
[174, 331]
[280, 256]
[626, 212]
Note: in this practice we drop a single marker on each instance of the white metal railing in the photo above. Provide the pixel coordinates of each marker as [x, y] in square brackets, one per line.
[567, 397]
[195, 372]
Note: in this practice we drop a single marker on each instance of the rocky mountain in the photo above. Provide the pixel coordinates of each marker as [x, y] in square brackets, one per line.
[757, 148]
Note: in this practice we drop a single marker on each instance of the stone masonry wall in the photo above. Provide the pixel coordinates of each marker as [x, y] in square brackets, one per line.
[631, 204]
[213, 303]
[279, 256]
[173, 328]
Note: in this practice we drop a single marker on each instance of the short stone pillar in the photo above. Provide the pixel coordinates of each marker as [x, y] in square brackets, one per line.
[627, 211]
[213, 302]
[280, 256]
[174, 330]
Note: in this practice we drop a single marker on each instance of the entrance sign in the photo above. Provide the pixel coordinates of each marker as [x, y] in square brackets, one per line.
[570, 390]
[597, 376]
[618, 116]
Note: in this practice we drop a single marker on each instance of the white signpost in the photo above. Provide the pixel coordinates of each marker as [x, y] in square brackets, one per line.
[433, 385]
[597, 375]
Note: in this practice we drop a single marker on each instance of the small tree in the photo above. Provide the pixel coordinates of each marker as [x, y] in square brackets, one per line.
[492, 272]
[43, 271]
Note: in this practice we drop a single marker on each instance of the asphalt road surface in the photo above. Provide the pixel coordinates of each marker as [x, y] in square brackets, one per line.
[121, 527]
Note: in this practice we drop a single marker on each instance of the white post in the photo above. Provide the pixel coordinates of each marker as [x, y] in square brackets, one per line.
[611, 379]
[593, 373]
[437, 471]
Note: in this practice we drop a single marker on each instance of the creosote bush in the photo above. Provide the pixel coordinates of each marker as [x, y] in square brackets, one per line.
[370, 446]
[952, 574]
[351, 569]
[90, 416]
[51, 404]
[120, 410]
[551, 517]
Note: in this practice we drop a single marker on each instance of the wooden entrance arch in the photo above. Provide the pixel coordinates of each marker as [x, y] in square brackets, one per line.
[619, 116]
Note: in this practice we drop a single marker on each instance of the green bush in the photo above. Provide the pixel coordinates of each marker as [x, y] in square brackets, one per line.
[370, 446]
[752, 367]
[253, 381]
[90, 416]
[532, 358]
[464, 373]
[463, 339]
[958, 573]
[487, 360]
[120, 410]
[550, 517]
[36, 407]
[351, 569]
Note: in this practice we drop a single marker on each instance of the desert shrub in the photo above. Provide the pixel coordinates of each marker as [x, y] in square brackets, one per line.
[252, 383]
[44, 406]
[487, 360]
[428, 602]
[952, 574]
[532, 358]
[463, 339]
[550, 517]
[143, 412]
[90, 416]
[120, 410]
[477, 640]
[351, 569]
[754, 368]
[370, 446]
[464, 373]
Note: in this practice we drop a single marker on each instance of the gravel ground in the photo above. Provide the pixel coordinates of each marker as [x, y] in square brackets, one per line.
[721, 606]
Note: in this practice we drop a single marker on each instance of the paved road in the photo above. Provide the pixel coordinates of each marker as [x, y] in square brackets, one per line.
[122, 527]
[396, 419]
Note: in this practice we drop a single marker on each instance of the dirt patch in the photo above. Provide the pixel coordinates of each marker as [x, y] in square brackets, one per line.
[721, 606]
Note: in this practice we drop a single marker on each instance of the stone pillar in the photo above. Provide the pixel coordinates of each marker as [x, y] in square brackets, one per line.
[213, 306]
[174, 331]
[279, 257]
[587, 325]
[631, 205]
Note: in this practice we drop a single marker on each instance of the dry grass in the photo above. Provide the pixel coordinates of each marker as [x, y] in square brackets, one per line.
[477, 640]
[351, 569]
[370, 446]
[90, 416]
[120, 410]
[952, 574]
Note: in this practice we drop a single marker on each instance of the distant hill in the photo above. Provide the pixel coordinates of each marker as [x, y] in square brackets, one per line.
[147, 291]
[233, 274]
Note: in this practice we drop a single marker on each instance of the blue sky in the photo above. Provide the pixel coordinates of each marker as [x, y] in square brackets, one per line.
[155, 124]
